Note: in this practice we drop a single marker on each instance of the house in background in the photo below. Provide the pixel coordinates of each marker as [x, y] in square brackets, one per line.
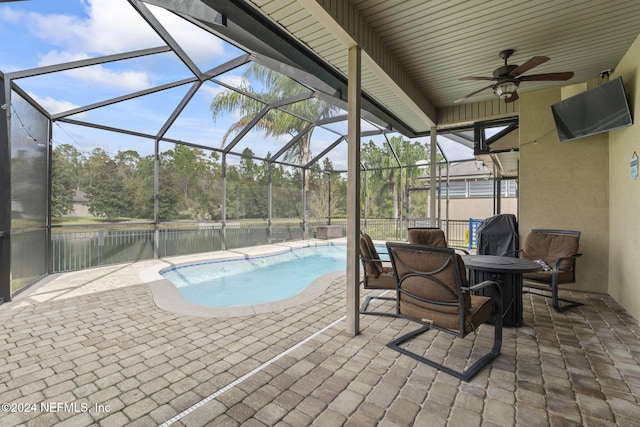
[471, 189]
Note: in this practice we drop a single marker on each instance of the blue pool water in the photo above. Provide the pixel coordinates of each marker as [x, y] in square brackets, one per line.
[255, 280]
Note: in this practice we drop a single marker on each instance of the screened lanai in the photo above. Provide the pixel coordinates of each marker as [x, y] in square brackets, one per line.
[171, 138]
[137, 138]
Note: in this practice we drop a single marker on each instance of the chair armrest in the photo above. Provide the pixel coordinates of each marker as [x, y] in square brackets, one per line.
[556, 265]
[482, 285]
[464, 251]
[373, 260]
[495, 296]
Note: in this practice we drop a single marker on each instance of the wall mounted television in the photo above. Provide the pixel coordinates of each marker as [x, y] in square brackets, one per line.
[593, 111]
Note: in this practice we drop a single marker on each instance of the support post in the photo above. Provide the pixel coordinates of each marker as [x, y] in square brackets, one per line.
[156, 200]
[270, 205]
[353, 191]
[433, 182]
[497, 193]
[329, 200]
[5, 190]
[223, 214]
[305, 211]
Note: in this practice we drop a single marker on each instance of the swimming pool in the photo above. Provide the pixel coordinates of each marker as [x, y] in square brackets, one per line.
[254, 280]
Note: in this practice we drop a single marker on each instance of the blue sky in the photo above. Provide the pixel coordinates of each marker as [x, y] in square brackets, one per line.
[46, 32]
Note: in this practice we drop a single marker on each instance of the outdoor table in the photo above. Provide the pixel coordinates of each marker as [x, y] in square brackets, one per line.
[507, 272]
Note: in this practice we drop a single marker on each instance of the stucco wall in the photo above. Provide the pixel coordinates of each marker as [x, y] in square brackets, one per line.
[565, 186]
[624, 194]
[478, 208]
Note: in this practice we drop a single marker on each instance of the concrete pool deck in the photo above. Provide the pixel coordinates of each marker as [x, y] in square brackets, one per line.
[97, 338]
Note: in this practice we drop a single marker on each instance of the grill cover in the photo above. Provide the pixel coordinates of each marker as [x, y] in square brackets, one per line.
[497, 235]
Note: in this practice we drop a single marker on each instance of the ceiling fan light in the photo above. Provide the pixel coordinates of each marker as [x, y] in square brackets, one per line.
[504, 90]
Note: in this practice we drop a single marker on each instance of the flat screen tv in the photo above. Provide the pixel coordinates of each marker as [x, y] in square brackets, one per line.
[593, 111]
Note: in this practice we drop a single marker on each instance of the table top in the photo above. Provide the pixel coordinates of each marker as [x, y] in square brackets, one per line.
[500, 264]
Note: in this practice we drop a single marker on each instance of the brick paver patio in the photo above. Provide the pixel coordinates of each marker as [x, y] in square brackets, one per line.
[92, 348]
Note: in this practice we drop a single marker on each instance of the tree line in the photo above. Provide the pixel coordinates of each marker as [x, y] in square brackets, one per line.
[190, 185]
[121, 186]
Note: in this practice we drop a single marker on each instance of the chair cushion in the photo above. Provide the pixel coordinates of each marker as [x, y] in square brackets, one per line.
[546, 276]
[386, 280]
[479, 312]
[549, 247]
[368, 252]
[428, 237]
[441, 286]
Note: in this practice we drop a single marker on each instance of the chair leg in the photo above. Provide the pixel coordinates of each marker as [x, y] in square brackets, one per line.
[464, 375]
[367, 300]
[555, 299]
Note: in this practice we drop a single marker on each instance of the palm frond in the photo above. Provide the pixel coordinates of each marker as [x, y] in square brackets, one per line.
[270, 86]
[231, 101]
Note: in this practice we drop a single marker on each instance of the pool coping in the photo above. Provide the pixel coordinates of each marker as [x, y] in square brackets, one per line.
[167, 297]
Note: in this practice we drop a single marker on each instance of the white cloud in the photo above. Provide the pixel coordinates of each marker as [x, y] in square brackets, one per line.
[210, 92]
[106, 27]
[198, 44]
[127, 79]
[57, 57]
[53, 105]
[111, 26]
[10, 15]
[132, 80]
[233, 80]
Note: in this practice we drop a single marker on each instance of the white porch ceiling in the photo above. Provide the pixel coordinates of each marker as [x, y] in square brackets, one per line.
[416, 51]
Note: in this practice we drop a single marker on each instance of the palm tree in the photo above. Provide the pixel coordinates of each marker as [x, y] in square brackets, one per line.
[273, 86]
[385, 173]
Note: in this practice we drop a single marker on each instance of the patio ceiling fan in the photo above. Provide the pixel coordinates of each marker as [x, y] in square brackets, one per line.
[508, 77]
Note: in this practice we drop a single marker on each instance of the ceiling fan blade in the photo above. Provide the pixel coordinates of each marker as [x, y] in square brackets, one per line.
[512, 98]
[473, 93]
[533, 62]
[477, 78]
[547, 77]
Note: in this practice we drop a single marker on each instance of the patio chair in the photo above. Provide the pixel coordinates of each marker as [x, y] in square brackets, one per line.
[429, 236]
[556, 251]
[432, 290]
[377, 275]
